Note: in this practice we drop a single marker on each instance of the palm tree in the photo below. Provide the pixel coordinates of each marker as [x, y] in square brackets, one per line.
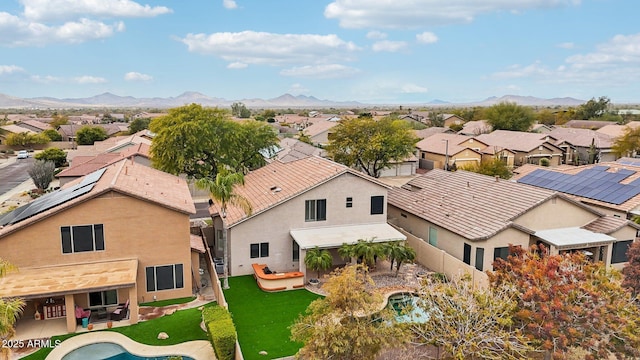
[367, 251]
[346, 251]
[318, 259]
[10, 310]
[401, 253]
[222, 192]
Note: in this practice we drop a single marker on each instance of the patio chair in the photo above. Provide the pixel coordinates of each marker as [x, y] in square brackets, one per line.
[120, 313]
[81, 313]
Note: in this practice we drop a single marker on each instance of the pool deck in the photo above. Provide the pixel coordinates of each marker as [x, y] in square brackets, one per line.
[199, 350]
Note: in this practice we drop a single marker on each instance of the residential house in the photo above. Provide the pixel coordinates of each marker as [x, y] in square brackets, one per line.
[437, 149]
[615, 131]
[114, 144]
[541, 128]
[315, 202]
[34, 125]
[529, 148]
[452, 119]
[581, 146]
[13, 129]
[319, 131]
[587, 124]
[290, 149]
[475, 128]
[120, 233]
[475, 218]
[612, 188]
[425, 133]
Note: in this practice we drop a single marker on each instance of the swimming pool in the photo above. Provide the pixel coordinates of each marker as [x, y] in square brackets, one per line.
[109, 351]
[407, 308]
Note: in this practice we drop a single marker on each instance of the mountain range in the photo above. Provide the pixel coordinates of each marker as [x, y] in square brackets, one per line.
[109, 100]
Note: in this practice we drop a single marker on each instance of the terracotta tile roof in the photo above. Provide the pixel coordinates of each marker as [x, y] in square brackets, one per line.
[472, 205]
[84, 165]
[615, 130]
[581, 137]
[475, 127]
[126, 177]
[516, 140]
[319, 127]
[15, 129]
[443, 143]
[425, 133]
[36, 124]
[587, 124]
[278, 182]
[197, 244]
[293, 149]
[608, 224]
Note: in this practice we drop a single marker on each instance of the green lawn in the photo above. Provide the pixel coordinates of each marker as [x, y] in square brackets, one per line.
[182, 326]
[262, 319]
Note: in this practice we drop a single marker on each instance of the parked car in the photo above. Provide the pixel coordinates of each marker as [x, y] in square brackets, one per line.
[23, 154]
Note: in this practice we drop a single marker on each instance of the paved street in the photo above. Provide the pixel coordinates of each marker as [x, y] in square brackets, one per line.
[14, 174]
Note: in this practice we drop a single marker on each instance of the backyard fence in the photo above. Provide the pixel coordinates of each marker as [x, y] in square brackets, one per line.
[438, 260]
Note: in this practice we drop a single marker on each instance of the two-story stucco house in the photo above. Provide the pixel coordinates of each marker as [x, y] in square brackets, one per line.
[120, 234]
[297, 206]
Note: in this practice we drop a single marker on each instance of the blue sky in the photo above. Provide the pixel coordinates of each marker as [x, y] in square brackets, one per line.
[373, 51]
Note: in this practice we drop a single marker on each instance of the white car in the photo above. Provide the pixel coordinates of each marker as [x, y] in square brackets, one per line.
[23, 154]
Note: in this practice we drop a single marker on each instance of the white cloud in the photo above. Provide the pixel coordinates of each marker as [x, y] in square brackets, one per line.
[420, 13]
[43, 10]
[330, 71]
[20, 32]
[48, 79]
[427, 38]
[413, 89]
[389, 46]
[229, 4]
[237, 65]
[566, 45]
[10, 69]
[252, 47]
[89, 80]
[136, 76]
[376, 35]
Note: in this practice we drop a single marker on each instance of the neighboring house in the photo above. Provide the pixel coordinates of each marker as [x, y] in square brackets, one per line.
[475, 128]
[587, 124]
[425, 133]
[114, 144]
[84, 165]
[577, 143]
[297, 206]
[529, 148]
[291, 149]
[615, 130]
[34, 125]
[406, 167]
[452, 119]
[460, 150]
[475, 218]
[612, 188]
[293, 121]
[541, 128]
[319, 131]
[120, 233]
[69, 131]
[13, 129]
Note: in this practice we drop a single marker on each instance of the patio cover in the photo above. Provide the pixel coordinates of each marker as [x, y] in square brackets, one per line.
[49, 281]
[573, 238]
[331, 237]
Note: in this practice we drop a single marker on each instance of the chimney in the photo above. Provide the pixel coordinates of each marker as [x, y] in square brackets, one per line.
[497, 178]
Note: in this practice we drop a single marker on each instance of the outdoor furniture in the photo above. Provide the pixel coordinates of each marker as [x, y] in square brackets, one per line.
[81, 314]
[120, 313]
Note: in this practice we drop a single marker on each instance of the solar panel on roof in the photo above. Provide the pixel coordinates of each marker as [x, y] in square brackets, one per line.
[52, 200]
[600, 167]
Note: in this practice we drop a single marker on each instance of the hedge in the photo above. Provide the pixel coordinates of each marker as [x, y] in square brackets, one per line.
[222, 332]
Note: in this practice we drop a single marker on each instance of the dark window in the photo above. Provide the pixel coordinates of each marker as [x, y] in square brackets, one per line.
[501, 253]
[466, 257]
[296, 251]
[619, 254]
[315, 210]
[82, 238]
[377, 205]
[165, 277]
[479, 258]
[260, 250]
[349, 202]
[255, 251]
[103, 298]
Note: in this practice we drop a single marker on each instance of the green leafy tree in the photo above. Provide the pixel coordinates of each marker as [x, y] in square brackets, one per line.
[267, 115]
[87, 135]
[371, 145]
[10, 310]
[593, 108]
[239, 110]
[52, 135]
[340, 326]
[318, 259]
[436, 119]
[42, 174]
[546, 116]
[138, 125]
[631, 270]
[628, 144]
[493, 167]
[470, 323]
[59, 120]
[197, 141]
[510, 116]
[57, 156]
[222, 192]
[26, 139]
[398, 253]
[566, 301]
[367, 251]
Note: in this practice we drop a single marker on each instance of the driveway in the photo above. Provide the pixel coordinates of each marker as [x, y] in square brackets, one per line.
[14, 174]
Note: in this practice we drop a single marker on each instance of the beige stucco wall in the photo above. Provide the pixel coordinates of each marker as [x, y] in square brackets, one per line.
[461, 159]
[273, 225]
[554, 157]
[555, 213]
[401, 169]
[132, 229]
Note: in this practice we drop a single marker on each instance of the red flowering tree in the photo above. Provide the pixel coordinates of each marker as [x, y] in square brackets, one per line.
[631, 271]
[566, 301]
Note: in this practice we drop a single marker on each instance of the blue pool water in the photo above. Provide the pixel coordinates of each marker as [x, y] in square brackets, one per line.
[108, 351]
[407, 308]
